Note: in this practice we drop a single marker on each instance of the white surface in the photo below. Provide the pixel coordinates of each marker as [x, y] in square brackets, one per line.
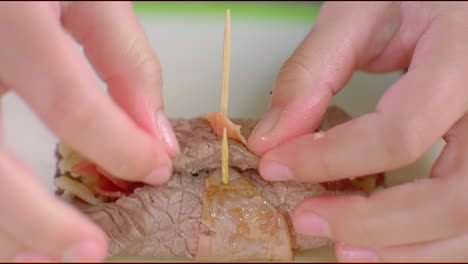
[190, 52]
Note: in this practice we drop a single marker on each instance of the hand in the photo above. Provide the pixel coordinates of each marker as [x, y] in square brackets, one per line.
[126, 133]
[419, 221]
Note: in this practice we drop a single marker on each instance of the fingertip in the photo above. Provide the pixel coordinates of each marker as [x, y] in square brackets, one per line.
[295, 118]
[346, 253]
[274, 171]
[145, 165]
[31, 256]
[159, 175]
[278, 163]
[300, 207]
[338, 248]
[316, 204]
[310, 223]
[261, 134]
[91, 246]
[166, 134]
[90, 243]
[257, 145]
[86, 251]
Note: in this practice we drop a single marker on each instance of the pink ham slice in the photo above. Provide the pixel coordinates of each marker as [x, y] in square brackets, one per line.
[243, 225]
[102, 182]
[122, 184]
[218, 121]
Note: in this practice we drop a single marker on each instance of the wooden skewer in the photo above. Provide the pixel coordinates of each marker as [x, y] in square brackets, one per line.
[224, 96]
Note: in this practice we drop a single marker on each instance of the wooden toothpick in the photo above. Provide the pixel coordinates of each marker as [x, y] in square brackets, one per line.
[226, 60]
[225, 159]
[224, 96]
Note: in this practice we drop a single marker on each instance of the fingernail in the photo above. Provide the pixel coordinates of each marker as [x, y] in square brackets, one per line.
[268, 122]
[85, 251]
[355, 254]
[159, 176]
[309, 223]
[32, 257]
[166, 133]
[273, 171]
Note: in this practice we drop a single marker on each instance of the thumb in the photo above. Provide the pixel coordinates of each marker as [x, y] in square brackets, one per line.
[345, 36]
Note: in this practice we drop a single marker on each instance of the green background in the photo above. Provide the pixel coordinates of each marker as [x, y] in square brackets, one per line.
[281, 10]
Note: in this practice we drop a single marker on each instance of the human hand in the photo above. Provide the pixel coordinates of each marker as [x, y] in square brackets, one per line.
[419, 221]
[126, 133]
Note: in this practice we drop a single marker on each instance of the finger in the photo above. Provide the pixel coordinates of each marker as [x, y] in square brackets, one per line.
[333, 117]
[61, 89]
[409, 213]
[407, 121]
[453, 156]
[447, 250]
[398, 51]
[422, 211]
[427, 210]
[10, 248]
[3, 91]
[117, 47]
[42, 223]
[345, 36]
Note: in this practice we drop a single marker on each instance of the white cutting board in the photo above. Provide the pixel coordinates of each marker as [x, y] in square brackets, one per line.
[190, 51]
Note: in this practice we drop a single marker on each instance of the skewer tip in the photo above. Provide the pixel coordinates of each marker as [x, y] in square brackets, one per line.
[225, 158]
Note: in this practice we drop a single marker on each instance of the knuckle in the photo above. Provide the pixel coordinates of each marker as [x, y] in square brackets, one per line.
[294, 68]
[290, 78]
[149, 65]
[143, 57]
[302, 71]
[142, 65]
[326, 166]
[403, 145]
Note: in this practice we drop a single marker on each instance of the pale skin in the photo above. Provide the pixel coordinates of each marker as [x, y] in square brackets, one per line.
[126, 133]
[420, 221]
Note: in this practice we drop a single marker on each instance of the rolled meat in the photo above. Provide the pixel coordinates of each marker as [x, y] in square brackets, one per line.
[194, 215]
